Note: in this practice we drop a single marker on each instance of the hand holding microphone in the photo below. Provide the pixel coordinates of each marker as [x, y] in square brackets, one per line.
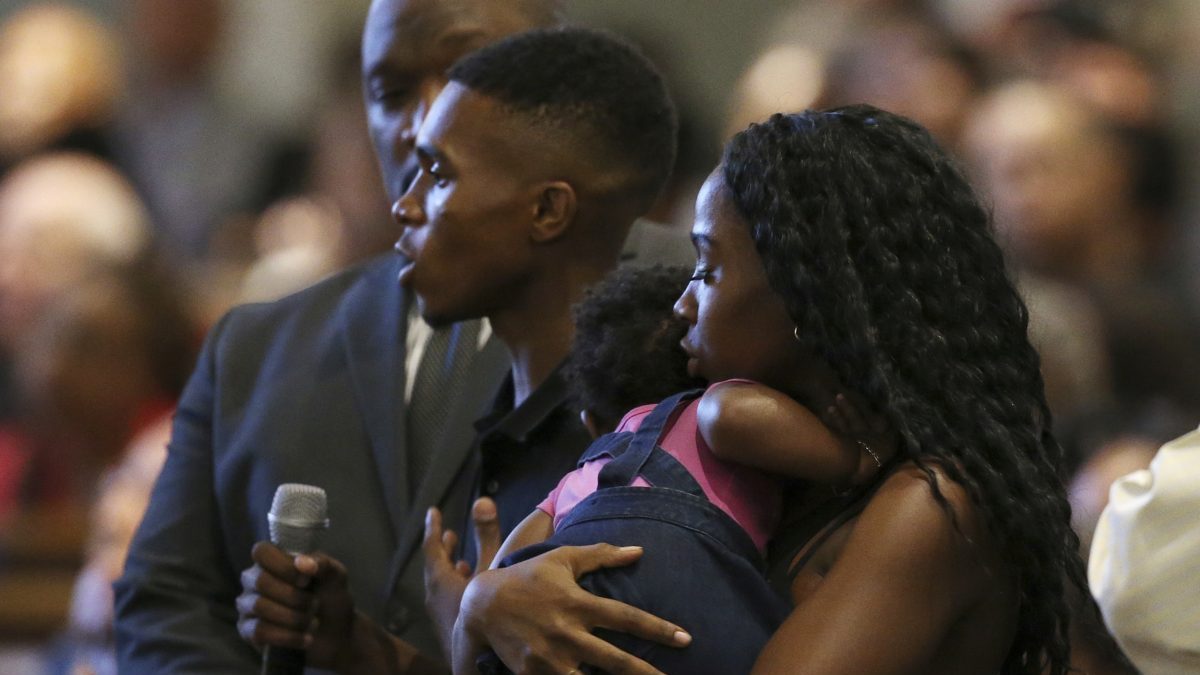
[295, 602]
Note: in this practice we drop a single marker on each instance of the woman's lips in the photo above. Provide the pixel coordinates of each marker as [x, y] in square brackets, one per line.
[693, 363]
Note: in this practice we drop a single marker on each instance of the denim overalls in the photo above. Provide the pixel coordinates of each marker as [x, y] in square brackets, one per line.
[700, 570]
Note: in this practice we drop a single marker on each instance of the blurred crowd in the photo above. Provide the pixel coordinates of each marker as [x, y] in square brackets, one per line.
[135, 209]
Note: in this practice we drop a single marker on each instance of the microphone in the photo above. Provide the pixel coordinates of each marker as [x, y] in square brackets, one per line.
[296, 520]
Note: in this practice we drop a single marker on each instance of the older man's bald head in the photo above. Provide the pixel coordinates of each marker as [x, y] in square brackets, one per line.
[407, 47]
[442, 13]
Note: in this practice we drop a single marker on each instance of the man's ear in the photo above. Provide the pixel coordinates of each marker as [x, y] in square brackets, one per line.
[554, 211]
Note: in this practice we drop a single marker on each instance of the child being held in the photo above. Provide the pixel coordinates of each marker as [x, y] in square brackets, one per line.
[696, 479]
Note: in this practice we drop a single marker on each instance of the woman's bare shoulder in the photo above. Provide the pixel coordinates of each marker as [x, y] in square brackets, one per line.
[905, 514]
[906, 556]
[909, 486]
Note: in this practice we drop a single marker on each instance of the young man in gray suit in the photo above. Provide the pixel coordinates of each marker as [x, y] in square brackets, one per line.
[320, 388]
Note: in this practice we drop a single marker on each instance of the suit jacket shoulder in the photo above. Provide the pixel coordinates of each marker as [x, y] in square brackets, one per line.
[306, 389]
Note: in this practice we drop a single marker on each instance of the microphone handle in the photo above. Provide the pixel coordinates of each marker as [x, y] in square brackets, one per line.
[281, 661]
[296, 519]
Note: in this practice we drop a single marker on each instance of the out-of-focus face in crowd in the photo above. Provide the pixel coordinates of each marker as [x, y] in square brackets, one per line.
[61, 216]
[1055, 176]
[86, 369]
[910, 69]
[59, 71]
[175, 40]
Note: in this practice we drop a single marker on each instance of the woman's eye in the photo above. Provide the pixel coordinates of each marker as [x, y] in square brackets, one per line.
[701, 273]
[438, 179]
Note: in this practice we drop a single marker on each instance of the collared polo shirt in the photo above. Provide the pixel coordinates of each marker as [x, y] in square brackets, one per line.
[524, 451]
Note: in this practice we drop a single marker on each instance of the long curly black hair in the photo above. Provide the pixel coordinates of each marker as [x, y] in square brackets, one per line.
[887, 262]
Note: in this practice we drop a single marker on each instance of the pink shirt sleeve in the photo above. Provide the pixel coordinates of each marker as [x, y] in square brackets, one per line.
[549, 504]
[581, 482]
[751, 497]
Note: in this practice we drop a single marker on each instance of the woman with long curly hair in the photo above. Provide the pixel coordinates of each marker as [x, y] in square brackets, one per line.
[852, 235]
[886, 261]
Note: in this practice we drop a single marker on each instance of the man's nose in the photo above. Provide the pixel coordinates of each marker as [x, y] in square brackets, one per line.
[406, 210]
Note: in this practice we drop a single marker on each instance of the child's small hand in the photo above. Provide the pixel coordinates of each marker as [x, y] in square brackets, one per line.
[851, 417]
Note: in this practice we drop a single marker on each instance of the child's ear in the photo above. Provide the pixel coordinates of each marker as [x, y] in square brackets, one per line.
[554, 211]
[589, 421]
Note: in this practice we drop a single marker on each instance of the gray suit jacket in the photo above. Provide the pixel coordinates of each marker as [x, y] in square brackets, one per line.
[309, 389]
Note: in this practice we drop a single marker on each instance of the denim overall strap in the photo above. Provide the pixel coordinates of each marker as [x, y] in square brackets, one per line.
[643, 456]
[610, 445]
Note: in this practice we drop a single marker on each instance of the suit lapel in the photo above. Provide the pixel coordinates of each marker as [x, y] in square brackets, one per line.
[374, 324]
[457, 444]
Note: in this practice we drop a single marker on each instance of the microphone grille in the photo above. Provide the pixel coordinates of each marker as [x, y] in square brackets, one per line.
[300, 503]
[297, 517]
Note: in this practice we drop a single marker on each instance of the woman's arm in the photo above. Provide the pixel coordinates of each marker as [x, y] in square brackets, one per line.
[905, 578]
[758, 426]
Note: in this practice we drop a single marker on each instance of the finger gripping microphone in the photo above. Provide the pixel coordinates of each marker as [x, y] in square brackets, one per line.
[297, 519]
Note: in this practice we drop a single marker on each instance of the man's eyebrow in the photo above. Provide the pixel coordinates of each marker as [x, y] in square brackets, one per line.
[387, 72]
[463, 38]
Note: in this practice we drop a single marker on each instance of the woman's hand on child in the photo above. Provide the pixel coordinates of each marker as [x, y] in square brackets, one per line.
[538, 619]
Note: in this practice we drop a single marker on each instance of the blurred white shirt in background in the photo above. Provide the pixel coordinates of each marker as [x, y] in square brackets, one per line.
[1144, 568]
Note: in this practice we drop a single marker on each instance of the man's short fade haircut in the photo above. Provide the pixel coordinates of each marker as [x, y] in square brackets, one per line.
[592, 85]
